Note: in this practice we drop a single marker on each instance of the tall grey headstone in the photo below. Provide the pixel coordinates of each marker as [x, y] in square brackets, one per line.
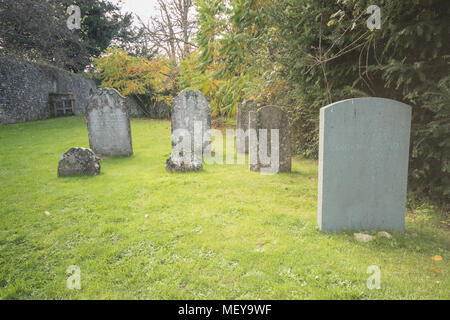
[191, 135]
[242, 121]
[108, 124]
[363, 165]
[269, 140]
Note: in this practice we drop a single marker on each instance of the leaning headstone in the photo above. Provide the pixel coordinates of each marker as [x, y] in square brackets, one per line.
[269, 140]
[242, 121]
[363, 165]
[78, 161]
[191, 125]
[108, 124]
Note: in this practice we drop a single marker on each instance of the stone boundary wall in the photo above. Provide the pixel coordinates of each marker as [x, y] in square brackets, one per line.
[25, 88]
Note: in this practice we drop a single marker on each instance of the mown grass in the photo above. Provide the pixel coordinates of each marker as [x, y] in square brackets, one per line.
[138, 232]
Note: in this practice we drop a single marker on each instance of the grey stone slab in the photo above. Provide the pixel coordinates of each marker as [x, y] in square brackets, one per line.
[108, 124]
[263, 123]
[191, 125]
[363, 165]
[242, 120]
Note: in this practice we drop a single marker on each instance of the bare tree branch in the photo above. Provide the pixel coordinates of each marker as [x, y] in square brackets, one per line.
[172, 30]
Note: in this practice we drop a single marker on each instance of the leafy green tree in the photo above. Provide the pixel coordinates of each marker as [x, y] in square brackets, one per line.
[103, 24]
[305, 54]
[37, 30]
[148, 81]
[328, 54]
[232, 52]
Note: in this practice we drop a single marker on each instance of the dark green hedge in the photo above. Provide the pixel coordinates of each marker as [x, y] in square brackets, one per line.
[406, 60]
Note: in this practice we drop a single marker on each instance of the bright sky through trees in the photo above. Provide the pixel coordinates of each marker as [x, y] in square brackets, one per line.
[143, 8]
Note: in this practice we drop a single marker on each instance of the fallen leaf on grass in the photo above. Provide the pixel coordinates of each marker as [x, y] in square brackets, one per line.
[47, 213]
[436, 258]
[435, 269]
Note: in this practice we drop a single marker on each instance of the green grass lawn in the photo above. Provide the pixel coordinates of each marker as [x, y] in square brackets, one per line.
[138, 232]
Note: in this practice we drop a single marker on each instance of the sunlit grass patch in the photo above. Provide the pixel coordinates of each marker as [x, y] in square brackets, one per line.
[138, 232]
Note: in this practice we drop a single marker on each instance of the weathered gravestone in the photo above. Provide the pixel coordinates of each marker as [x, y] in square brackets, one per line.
[363, 165]
[78, 161]
[269, 140]
[108, 124]
[191, 136]
[242, 121]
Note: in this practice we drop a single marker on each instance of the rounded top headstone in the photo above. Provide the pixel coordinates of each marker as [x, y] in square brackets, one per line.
[105, 97]
[367, 101]
[191, 98]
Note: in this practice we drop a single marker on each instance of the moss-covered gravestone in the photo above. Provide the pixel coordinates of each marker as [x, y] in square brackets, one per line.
[191, 136]
[108, 124]
[269, 140]
[242, 121]
[78, 162]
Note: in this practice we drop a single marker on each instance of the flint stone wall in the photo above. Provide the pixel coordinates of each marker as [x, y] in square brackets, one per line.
[25, 88]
